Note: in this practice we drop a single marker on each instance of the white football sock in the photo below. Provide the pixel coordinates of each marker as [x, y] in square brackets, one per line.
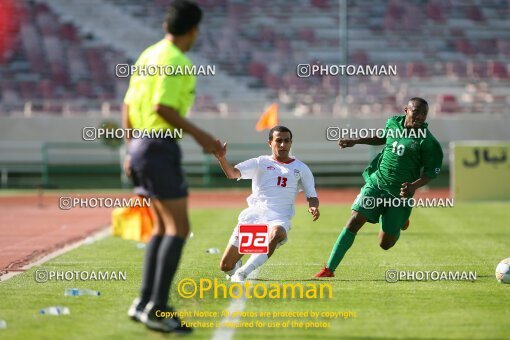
[253, 263]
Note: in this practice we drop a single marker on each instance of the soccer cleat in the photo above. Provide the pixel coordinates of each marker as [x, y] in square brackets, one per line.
[239, 277]
[163, 324]
[136, 310]
[325, 272]
[406, 225]
[233, 271]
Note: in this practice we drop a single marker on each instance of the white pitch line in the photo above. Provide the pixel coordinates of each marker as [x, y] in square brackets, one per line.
[236, 305]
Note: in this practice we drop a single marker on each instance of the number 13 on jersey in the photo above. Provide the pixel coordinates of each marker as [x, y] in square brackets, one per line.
[282, 181]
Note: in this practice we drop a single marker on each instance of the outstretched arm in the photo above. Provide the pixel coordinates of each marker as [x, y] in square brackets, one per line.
[228, 169]
[313, 207]
[347, 143]
[126, 124]
[206, 141]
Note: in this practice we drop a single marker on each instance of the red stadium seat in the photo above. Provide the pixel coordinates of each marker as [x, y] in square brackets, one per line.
[46, 88]
[257, 70]
[68, 32]
[84, 89]
[323, 4]
[447, 103]
[464, 46]
[474, 13]
[497, 69]
[416, 69]
[476, 69]
[307, 34]
[434, 11]
[272, 81]
[359, 57]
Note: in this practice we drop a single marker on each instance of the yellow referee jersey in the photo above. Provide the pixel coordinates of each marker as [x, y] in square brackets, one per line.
[156, 82]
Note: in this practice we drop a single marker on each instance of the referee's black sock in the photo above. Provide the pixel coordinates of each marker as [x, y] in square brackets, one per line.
[169, 255]
[149, 268]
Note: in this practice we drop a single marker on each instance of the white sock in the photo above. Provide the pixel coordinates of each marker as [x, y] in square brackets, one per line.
[253, 263]
[236, 267]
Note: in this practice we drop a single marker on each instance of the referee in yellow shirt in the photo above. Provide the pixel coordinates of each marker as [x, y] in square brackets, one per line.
[160, 102]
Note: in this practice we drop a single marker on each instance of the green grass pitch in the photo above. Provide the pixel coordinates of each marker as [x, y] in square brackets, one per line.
[469, 237]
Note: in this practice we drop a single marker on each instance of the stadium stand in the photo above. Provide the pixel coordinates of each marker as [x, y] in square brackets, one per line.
[452, 52]
[50, 62]
[58, 57]
[453, 45]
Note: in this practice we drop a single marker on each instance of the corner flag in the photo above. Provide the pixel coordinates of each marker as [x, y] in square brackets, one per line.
[268, 119]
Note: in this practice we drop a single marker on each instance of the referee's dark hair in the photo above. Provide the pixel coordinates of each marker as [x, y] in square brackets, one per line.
[182, 16]
[279, 128]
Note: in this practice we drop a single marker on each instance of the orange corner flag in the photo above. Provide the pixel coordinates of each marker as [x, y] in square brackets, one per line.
[268, 119]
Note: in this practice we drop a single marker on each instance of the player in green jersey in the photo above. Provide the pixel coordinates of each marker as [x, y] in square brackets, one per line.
[391, 177]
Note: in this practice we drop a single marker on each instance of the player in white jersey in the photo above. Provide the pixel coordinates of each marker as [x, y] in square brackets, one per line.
[276, 181]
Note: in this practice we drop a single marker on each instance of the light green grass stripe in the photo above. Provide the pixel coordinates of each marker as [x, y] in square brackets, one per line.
[470, 237]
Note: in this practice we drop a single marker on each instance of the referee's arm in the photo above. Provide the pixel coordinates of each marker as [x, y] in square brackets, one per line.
[205, 140]
[126, 123]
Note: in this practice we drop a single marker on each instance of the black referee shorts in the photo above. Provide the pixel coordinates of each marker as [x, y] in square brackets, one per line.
[156, 168]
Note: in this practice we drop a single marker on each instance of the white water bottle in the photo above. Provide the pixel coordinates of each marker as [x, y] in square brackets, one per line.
[55, 310]
[80, 292]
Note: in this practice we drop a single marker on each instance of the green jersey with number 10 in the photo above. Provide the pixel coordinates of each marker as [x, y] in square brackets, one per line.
[406, 152]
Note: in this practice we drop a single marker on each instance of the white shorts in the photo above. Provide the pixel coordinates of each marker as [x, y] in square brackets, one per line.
[260, 216]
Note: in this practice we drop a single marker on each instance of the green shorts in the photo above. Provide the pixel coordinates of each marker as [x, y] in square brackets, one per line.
[379, 205]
